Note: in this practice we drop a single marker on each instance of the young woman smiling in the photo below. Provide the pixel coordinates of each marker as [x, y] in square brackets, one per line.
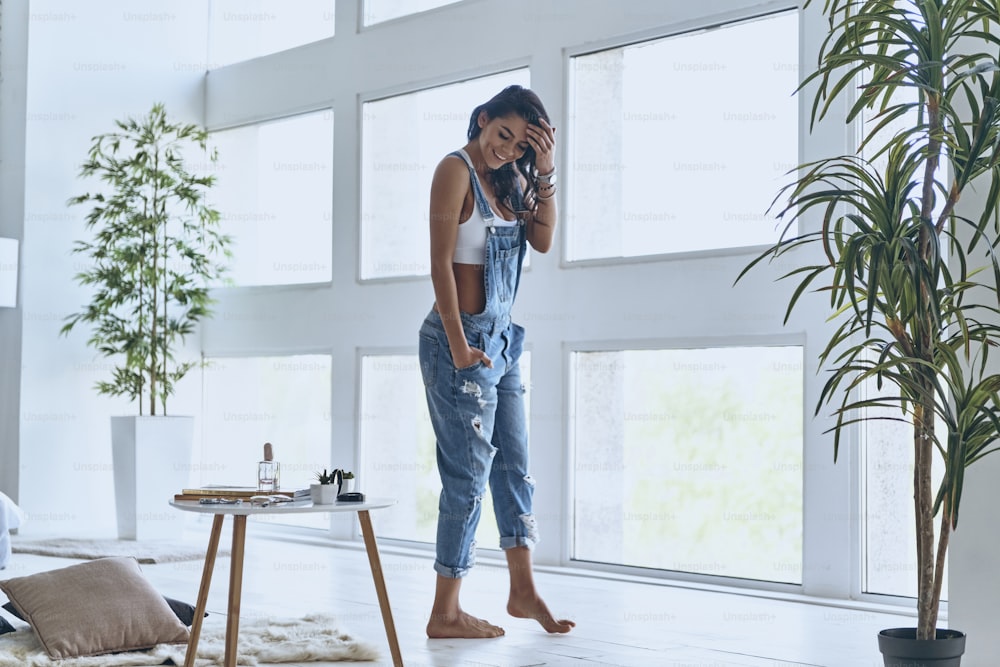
[489, 201]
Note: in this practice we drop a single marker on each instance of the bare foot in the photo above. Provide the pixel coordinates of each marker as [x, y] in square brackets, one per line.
[462, 625]
[532, 606]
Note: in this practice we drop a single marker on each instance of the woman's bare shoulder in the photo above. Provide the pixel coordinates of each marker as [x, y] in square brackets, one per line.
[452, 174]
[452, 166]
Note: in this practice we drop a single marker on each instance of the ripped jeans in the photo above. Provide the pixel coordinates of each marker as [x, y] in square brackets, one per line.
[479, 423]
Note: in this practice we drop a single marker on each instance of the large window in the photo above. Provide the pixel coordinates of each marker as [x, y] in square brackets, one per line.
[275, 194]
[678, 124]
[252, 400]
[377, 11]
[889, 540]
[403, 139]
[690, 460]
[398, 445]
[890, 553]
[680, 144]
[245, 29]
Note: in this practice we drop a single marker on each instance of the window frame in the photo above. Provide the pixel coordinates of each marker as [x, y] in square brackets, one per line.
[654, 344]
[257, 122]
[689, 28]
[832, 531]
[363, 27]
[257, 354]
[399, 91]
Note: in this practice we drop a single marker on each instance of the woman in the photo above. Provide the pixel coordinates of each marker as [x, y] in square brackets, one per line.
[487, 201]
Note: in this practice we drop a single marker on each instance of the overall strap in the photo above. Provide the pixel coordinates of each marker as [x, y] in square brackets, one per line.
[484, 206]
[517, 202]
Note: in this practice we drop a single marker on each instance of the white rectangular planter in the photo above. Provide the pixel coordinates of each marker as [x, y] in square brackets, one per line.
[323, 494]
[152, 461]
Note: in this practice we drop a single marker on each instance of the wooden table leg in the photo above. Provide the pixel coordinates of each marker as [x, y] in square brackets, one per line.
[383, 596]
[235, 588]
[206, 582]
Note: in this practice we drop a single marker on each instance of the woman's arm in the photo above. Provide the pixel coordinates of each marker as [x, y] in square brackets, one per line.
[448, 190]
[542, 223]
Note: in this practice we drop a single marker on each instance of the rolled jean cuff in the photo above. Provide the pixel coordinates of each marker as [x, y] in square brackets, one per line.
[450, 572]
[517, 541]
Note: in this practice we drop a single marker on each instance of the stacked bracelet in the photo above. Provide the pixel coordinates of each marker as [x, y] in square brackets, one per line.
[547, 184]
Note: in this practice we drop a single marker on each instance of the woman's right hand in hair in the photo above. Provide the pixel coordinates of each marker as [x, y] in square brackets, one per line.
[469, 357]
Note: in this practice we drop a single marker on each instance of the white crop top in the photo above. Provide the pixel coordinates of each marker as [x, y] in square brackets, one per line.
[470, 246]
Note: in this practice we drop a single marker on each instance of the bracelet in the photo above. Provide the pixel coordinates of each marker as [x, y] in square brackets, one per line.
[539, 197]
[549, 178]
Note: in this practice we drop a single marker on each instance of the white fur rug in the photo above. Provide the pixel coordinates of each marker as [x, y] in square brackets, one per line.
[146, 552]
[263, 641]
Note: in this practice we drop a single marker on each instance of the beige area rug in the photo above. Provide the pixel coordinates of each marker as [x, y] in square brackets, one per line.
[314, 638]
[146, 552]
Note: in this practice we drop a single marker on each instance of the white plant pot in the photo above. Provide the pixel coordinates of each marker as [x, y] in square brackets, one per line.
[323, 494]
[152, 462]
[348, 486]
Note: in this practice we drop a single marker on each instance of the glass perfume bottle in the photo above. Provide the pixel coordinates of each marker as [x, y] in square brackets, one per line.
[268, 471]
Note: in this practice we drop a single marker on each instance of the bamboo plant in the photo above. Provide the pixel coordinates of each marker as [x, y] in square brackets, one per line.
[155, 250]
[911, 276]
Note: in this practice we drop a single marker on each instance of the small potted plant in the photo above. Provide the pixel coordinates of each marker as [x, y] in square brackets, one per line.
[348, 484]
[327, 487]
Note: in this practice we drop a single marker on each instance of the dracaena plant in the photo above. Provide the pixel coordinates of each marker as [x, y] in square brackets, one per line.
[910, 274]
[155, 249]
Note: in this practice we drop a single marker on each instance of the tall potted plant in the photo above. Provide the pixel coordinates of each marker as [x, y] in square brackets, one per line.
[910, 276]
[154, 251]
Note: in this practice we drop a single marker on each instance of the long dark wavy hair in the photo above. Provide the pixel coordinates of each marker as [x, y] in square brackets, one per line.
[525, 103]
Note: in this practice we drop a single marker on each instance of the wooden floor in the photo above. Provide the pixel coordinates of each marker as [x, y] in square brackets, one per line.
[620, 623]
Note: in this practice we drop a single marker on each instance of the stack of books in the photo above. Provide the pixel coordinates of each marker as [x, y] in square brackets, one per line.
[235, 492]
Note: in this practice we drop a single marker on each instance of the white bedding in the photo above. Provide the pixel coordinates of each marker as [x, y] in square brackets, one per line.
[11, 517]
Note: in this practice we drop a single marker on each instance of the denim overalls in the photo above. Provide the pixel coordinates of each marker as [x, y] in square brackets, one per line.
[478, 412]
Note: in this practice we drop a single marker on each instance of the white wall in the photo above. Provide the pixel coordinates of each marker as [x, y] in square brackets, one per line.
[88, 65]
[973, 578]
[13, 85]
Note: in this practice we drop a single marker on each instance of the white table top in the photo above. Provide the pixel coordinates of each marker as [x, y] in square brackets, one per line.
[294, 507]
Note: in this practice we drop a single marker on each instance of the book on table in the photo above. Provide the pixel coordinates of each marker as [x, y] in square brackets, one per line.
[226, 491]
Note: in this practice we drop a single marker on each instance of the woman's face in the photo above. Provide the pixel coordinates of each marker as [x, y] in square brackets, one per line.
[503, 139]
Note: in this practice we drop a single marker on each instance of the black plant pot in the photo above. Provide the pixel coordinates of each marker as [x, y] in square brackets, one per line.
[900, 648]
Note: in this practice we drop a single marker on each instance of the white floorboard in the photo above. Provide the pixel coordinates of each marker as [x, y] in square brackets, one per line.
[619, 623]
